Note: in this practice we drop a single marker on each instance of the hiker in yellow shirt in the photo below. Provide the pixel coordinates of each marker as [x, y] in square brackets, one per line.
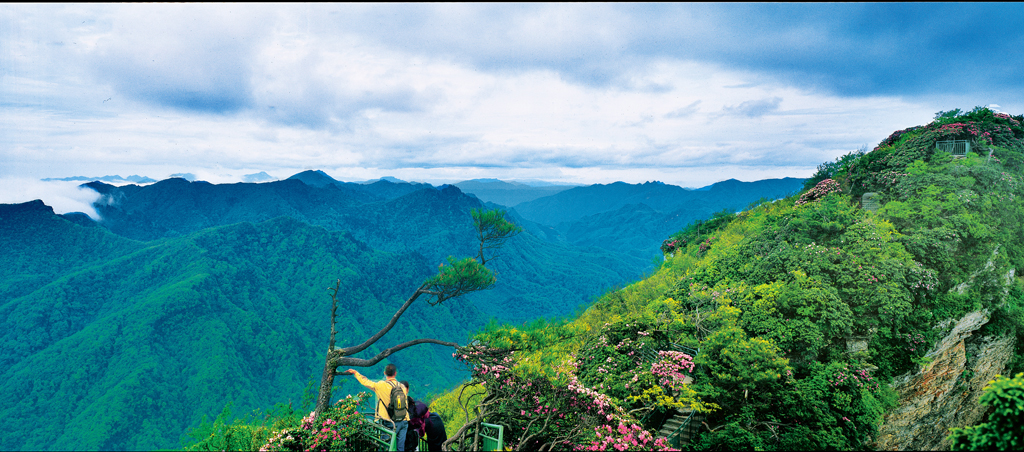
[383, 390]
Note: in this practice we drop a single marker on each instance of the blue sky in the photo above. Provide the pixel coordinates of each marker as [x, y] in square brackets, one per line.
[687, 94]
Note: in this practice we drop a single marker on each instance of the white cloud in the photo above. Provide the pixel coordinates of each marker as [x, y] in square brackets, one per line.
[223, 91]
[63, 196]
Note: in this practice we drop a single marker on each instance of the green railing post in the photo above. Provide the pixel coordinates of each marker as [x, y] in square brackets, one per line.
[673, 439]
[493, 437]
[378, 430]
[958, 148]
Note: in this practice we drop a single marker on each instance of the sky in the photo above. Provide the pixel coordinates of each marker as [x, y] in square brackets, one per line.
[686, 94]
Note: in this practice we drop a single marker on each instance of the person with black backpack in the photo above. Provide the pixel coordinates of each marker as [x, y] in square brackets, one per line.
[392, 402]
[425, 424]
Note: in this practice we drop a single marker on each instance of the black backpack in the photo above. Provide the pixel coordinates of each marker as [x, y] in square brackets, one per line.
[399, 406]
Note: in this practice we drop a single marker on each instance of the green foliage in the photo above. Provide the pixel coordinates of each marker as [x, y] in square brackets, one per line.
[246, 433]
[493, 229]
[1005, 427]
[948, 114]
[802, 313]
[837, 168]
[166, 333]
[458, 278]
[340, 428]
[97, 328]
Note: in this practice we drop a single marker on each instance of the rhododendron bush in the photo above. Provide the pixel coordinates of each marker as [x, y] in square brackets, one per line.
[572, 407]
[340, 427]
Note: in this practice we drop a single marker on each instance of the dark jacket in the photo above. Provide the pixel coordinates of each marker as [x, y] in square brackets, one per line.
[419, 415]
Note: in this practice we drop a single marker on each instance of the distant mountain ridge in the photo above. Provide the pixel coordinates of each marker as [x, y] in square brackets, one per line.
[508, 193]
[391, 217]
[579, 202]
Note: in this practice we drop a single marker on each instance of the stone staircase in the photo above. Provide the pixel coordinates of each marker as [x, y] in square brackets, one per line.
[679, 427]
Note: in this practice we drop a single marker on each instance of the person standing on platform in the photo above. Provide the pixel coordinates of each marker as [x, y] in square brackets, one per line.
[386, 393]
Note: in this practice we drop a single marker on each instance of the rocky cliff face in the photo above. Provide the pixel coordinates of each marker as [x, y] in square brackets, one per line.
[945, 392]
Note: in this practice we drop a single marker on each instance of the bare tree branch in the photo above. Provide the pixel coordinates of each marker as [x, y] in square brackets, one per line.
[394, 319]
[358, 362]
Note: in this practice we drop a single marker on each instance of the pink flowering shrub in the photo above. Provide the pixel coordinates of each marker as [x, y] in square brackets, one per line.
[987, 131]
[850, 379]
[340, 427]
[584, 404]
[819, 191]
[536, 411]
[672, 368]
[669, 246]
[625, 437]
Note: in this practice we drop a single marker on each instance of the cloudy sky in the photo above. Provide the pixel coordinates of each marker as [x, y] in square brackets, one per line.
[686, 94]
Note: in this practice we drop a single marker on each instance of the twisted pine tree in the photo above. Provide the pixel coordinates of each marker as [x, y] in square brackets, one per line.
[457, 278]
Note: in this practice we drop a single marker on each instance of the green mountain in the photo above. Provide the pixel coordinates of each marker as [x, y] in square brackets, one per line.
[632, 219]
[187, 295]
[130, 343]
[433, 223]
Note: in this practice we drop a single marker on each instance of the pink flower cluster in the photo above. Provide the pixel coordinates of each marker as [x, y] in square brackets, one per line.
[670, 246]
[669, 369]
[603, 402]
[1008, 118]
[325, 436]
[706, 244]
[914, 341]
[339, 422]
[819, 191]
[625, 437]
[859, 378]
[925, 278]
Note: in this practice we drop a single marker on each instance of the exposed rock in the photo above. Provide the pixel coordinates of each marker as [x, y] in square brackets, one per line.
[944, 393]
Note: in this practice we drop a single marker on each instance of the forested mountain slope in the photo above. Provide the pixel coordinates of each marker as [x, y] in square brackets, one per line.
[128, 348]
[433, 223]
[817, 323]
[632, 219]
[188, 295]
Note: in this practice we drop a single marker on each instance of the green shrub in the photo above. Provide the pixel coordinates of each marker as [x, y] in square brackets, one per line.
[1005, 427]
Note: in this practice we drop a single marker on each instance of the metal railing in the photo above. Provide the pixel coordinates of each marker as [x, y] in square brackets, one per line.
[958, 148]
[686, 426]
[651, 356]
[492, 437]
[379, 433]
